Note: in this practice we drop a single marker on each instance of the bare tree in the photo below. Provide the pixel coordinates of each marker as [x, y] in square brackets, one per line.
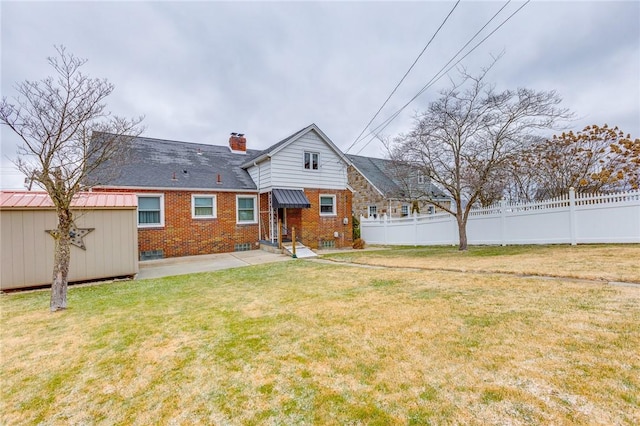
[596, 159]
[466, 140]
[55, 119]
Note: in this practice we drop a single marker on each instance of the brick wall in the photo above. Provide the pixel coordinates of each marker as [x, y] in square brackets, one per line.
[317, 228]
[184, 236]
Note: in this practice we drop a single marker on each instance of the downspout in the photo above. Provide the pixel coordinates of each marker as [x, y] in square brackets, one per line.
[259, 211]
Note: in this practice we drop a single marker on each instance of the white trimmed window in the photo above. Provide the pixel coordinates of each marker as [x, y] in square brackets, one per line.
[327, 205]
[311, 160]
[404, 210]
[246, 209]
[150, 210]
[421, 179]
[203, 206]
[373, 211]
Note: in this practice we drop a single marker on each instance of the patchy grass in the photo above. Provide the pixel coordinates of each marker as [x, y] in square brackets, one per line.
[599, 262]
[309, 343]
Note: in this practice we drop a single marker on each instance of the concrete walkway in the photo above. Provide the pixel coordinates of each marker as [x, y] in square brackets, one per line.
[206, 263]
[214, 262]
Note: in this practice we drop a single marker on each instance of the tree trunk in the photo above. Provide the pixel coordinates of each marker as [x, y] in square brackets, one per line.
[61, 261]
[462, 232]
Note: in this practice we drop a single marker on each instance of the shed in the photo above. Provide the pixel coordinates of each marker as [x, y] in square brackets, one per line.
[105, 243]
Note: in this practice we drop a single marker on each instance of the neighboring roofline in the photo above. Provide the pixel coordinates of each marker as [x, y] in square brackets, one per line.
[390, 196]
[161, 188]
[279, 146]
[425, 200]
[367, 179]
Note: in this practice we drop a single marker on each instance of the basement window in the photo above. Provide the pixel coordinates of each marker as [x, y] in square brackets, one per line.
[242, 247]
[151, 254]
[327, 244]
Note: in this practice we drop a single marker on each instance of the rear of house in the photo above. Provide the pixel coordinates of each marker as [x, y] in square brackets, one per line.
[201, 199]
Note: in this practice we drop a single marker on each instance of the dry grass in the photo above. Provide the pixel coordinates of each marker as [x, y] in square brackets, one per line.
[599, 262]
[308, 343]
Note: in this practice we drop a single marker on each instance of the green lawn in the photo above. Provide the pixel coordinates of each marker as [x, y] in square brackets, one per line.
[309, 343]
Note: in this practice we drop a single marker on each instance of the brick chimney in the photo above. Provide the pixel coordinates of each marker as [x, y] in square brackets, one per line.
[238, 143]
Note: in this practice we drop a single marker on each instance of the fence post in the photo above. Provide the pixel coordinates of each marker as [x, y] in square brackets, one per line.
[415, 228]
[384, 221]
[503, 222]
[572, 215]
[455, 235]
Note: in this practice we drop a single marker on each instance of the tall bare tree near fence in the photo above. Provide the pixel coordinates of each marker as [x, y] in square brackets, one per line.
[55, 119]
[467, 138]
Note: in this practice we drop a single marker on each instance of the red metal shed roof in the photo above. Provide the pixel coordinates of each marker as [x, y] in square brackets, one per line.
[35, 200]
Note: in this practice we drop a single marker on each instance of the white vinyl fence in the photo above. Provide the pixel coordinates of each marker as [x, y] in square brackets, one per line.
[572, 219]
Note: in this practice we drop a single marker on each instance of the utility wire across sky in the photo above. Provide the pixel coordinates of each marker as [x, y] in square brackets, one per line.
[404, 76]
[441, 73]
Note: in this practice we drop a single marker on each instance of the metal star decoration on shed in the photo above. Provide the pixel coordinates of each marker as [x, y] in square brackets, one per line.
[76, 235]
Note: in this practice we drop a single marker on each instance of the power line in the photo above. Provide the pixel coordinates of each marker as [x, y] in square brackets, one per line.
[441, 74]
[404, 76]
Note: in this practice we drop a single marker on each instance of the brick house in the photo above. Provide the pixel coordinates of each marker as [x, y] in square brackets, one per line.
[202, 199]
[382, 187]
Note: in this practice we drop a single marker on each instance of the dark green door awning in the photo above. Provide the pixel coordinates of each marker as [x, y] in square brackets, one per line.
[290, 199]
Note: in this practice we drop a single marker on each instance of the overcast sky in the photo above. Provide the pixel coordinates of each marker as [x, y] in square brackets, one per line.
[200, 70]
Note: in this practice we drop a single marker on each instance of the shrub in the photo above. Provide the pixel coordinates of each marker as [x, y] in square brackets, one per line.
[358, 243]
[356, 227]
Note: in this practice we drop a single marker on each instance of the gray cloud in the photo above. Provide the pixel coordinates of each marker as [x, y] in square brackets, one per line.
[200, 70]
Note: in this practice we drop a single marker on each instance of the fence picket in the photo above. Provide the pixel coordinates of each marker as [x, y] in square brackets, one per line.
[573, 218]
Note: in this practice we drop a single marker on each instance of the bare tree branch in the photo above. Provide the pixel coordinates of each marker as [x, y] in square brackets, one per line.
[467, 140]
[55, 118]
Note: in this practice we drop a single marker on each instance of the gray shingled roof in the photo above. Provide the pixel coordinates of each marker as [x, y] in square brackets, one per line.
[380, 172]
[159, 163]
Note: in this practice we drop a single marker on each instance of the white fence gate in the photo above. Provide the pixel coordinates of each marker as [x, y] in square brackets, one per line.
[572, 219]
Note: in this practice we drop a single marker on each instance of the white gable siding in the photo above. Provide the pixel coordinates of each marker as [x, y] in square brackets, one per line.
[287, 167]
[261, 174]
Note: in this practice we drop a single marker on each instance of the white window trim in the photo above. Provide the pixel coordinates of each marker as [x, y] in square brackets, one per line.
[151, 225]
[403, 208]
[214, 206]
[311, 169]
[335, 209]
[369, 214]
[255, 208]
[421, 179]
